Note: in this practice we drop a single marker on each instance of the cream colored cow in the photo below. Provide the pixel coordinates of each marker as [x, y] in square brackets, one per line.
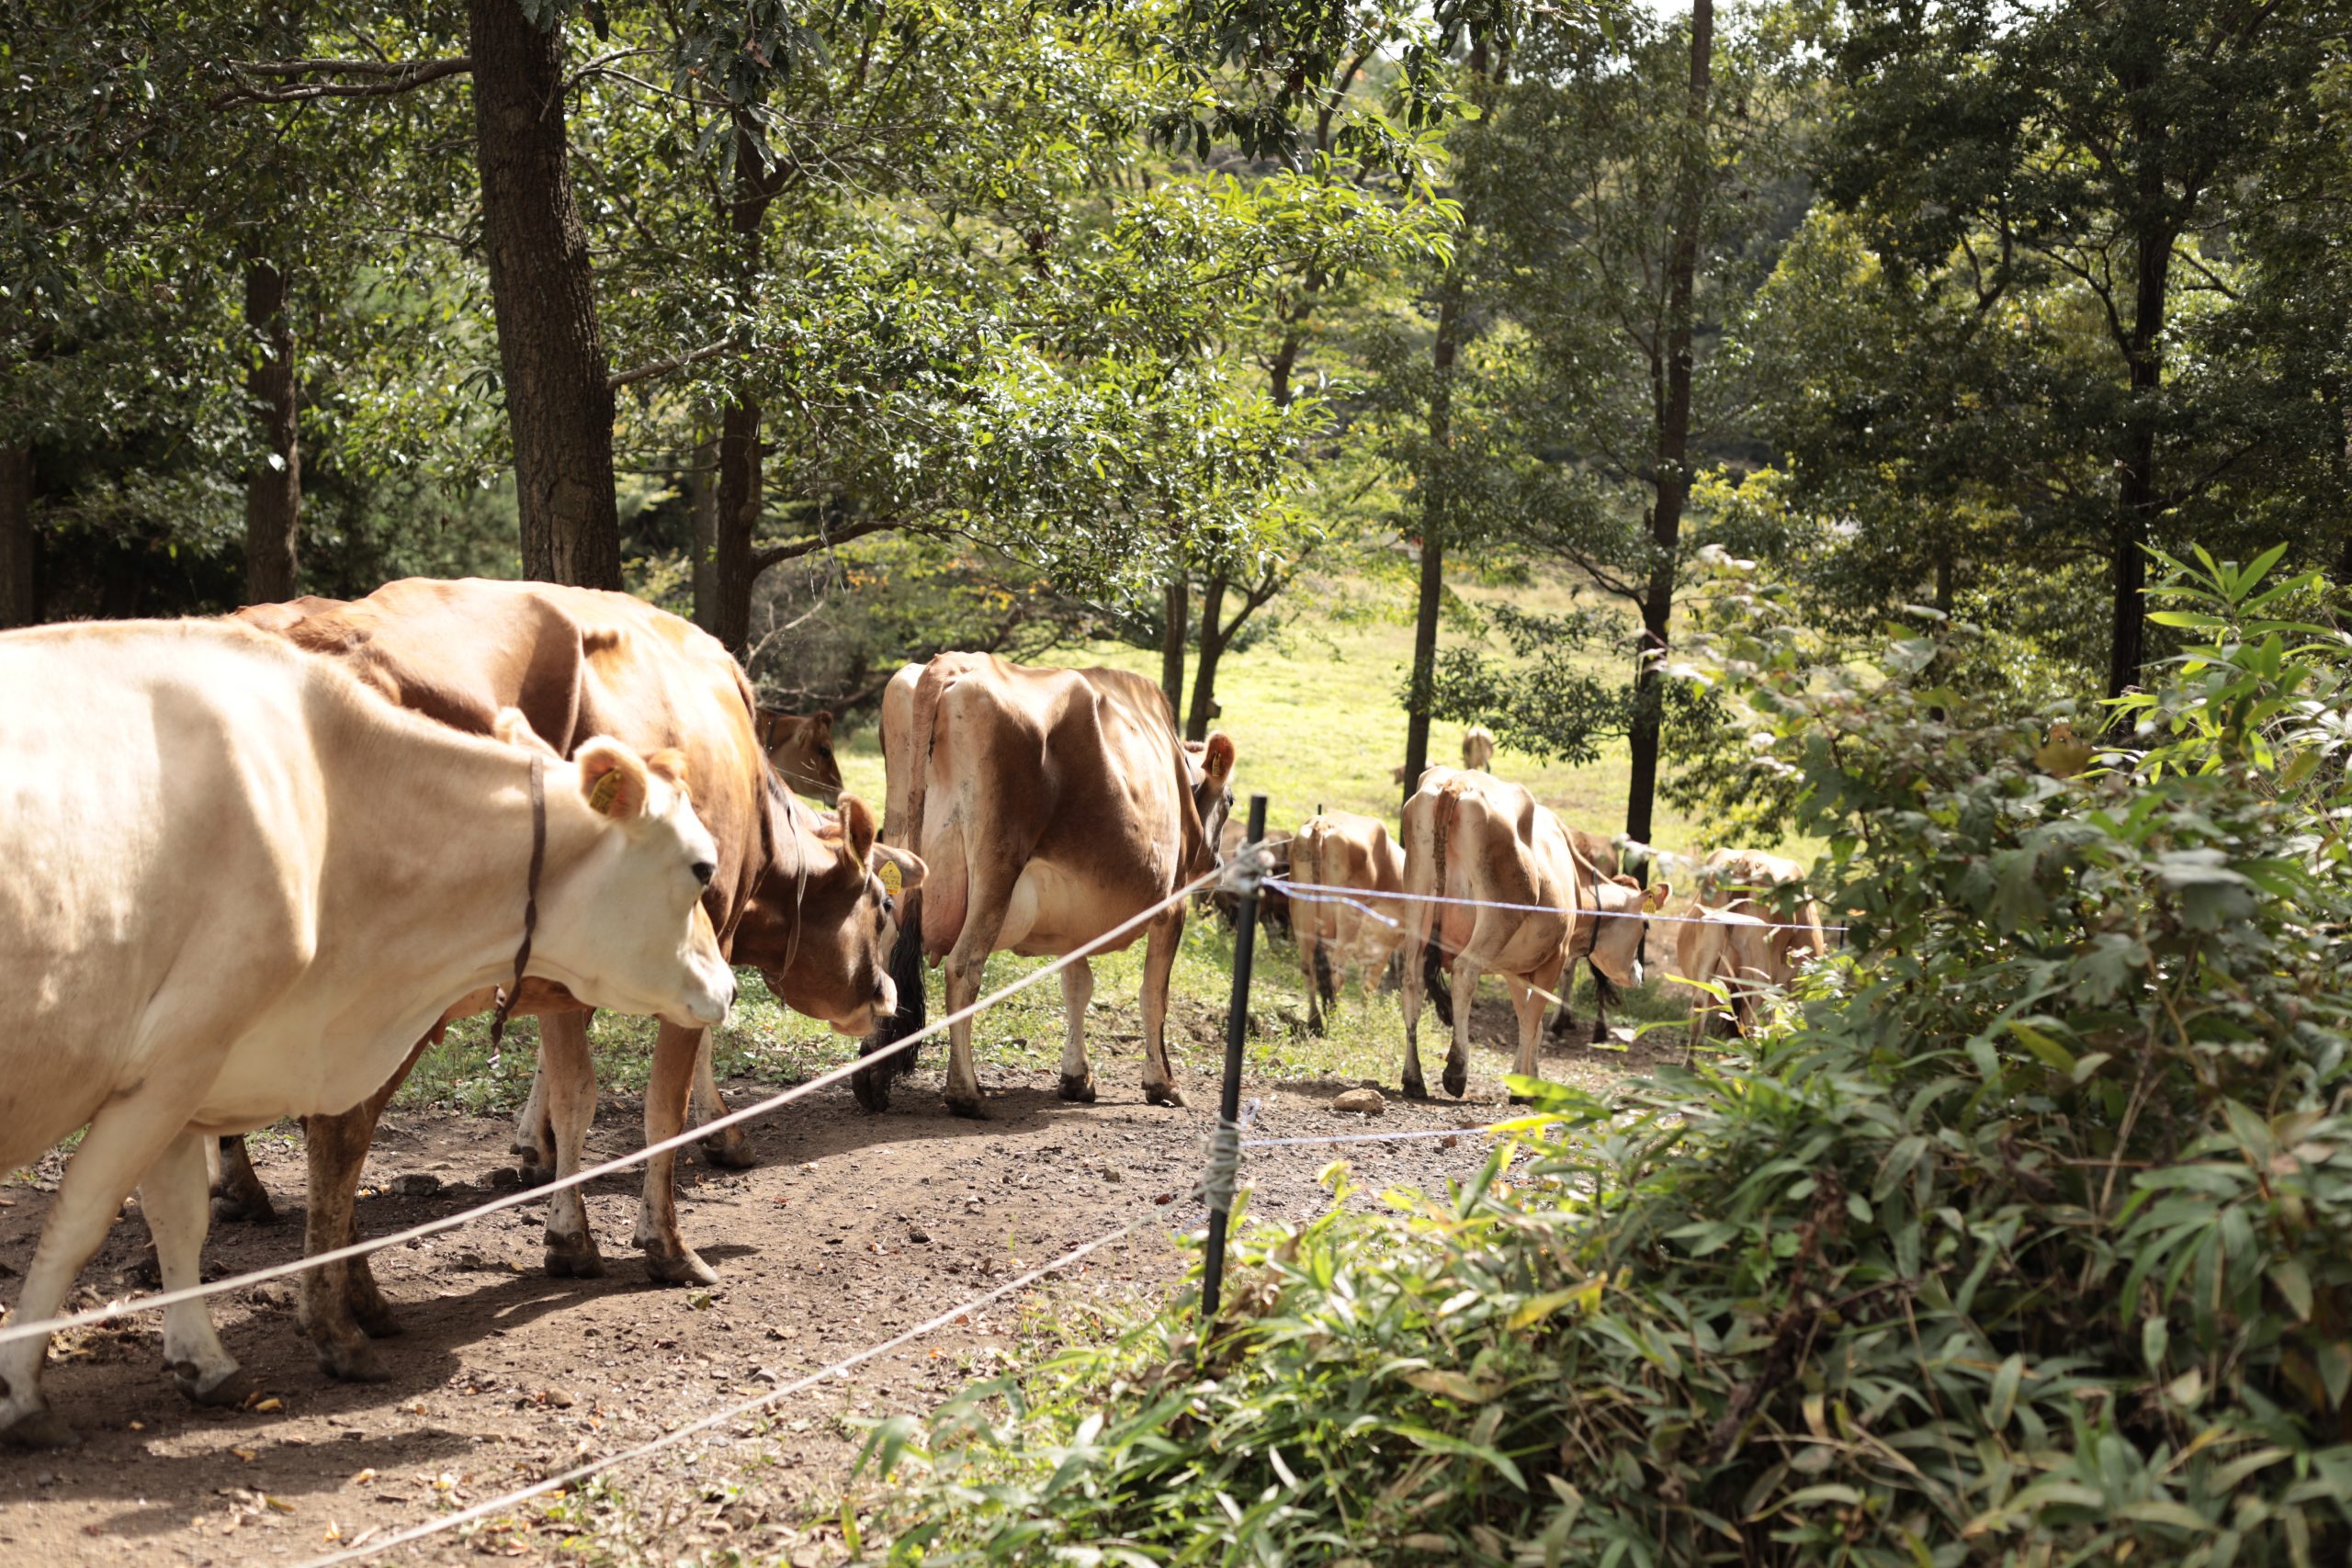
[1359, 930]
[242, 886]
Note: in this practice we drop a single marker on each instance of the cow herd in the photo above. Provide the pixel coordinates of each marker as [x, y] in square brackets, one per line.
[258, 864]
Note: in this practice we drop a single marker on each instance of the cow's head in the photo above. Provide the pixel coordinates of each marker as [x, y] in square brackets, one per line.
[1622, 922]
[1208, 768]
[621, 919]
[824, 914]
[801, 748]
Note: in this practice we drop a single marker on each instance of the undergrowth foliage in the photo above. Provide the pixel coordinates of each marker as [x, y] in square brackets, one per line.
[2024, 1236]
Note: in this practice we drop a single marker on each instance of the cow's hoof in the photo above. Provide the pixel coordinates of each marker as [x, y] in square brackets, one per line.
[1314, 1027]
[222, 1385]
[357, 1361]
[243, 1204]
[974, 1107]
[681, 1267]
[1164, 1094]
[1415, 1087]
[730, 1149]
[1080, 1090]
[39, 1429]
[1456, 1081]
[574, 1258]
[871, 1087]
[370, 1311]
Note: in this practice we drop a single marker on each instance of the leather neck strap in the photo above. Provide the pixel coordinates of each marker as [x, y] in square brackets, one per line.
[507, 998]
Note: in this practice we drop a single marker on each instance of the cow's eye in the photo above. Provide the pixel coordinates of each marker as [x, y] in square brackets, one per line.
[704, 872]
[890, 908]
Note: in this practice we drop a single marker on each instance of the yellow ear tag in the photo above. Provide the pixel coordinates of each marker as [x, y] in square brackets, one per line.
[607, 790]
[892, 879]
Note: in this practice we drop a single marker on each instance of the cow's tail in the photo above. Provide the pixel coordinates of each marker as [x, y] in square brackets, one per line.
[871, 1085]
[1433, 980]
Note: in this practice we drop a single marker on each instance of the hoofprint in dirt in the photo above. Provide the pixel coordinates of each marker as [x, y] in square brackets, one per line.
[849, 1230]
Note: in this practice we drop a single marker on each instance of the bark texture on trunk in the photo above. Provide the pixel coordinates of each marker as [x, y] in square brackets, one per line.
[274, 489]
[1174, 626]
[2138, 502]
[1434, 499]
[1673, 456]
[558, 403]
[1214, 635]
[731, 572]
[19, 546]
[702, 516]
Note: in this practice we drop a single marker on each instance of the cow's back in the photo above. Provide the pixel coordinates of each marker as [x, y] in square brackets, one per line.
[162, 819]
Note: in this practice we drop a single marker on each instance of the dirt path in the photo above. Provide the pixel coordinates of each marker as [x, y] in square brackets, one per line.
[850, 1229]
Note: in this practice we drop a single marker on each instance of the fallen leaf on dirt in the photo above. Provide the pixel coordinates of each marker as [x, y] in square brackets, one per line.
[363, 1477]
[245, 1454]
[280, 1504]
[269, 1407]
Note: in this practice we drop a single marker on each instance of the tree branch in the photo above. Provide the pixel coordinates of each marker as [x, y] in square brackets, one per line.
[775, 555]
[393, 77]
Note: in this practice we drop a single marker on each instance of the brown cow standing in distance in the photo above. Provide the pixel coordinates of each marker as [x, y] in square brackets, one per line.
[1757, 928]
[800, 749]
[1051, 806]
[1599, 853]
[1471, 837]
[796, 893]
[1360, 929]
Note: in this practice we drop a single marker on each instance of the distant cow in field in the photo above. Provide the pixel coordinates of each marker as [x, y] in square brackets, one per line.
[795, 892]
[1771, 887]
[1477, 753]
[800, 749]
[1051, 806]
[1273, 903]
[243, 887]
[1736, 950]
[1359, 930]
[1471, 837]
[1600, 852]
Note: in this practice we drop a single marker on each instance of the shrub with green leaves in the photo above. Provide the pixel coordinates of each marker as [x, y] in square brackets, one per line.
[2024, 1236]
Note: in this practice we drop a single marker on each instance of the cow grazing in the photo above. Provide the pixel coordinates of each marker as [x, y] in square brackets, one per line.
[1470, 836]
[243, 887]
[800, 749]
[1477, 750]
[1737, 950]
[1051, 806]
[1359, 930]
[797, 893]
[1273, 903]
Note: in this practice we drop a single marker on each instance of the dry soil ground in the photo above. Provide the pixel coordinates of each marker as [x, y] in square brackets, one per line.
[850, 1229]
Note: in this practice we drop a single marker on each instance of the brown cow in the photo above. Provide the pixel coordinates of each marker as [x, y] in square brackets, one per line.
[1053, 805]
[1471, 837]
[1477, 748]
[1738, 950]
[795, 893]
[1771, 888]
[1273, 903]
[1600, 852]
[801, 750]
[1359, 930]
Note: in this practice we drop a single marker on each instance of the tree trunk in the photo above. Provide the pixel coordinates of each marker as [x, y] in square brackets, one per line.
[19, 546]
[558, 402]
[1435, 496]
[1214, 637]
[738, 523]
[1673, 465]
[1174, 622]
[702, 516]
[2137, 501]
[274, 489]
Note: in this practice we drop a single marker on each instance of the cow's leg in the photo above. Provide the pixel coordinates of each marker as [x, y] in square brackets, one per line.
[569, 1074]
[1159, 962]
[534, 1145]
[237, 1192]
[1529, 1005]
[124, 1138]
[1412, 983]
[1321, 992]
[1466, 1000]
[338, 1304]
[173, 1197]
[1077, 989]
[992, 892]
[728, 1146]
[668, 1258]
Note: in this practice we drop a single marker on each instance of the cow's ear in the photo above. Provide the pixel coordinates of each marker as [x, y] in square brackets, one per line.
[1622, 880]
[1216, 759]
[1655, 899]
[510, 727]
[899, 871]
[612, 778]
[668, 763]
[857, 827]
[823, 720]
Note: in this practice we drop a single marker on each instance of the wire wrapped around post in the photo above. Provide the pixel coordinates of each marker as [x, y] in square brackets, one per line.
[1248, 870]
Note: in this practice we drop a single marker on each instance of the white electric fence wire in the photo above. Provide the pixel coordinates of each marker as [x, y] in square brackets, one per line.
[120, 1308]
[716, 1417]
[1523, 1126]
[1286, 885]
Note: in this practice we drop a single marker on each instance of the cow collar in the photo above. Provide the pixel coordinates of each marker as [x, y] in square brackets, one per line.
[507, 998]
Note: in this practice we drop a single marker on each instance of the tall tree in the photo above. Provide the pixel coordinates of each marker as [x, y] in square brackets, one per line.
[274, 487]
[558, 396]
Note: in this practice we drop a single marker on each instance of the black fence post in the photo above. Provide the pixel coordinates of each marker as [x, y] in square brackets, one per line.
[1228, 1100]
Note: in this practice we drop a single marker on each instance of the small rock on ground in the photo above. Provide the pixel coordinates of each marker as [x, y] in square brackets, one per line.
[1361, 1101]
